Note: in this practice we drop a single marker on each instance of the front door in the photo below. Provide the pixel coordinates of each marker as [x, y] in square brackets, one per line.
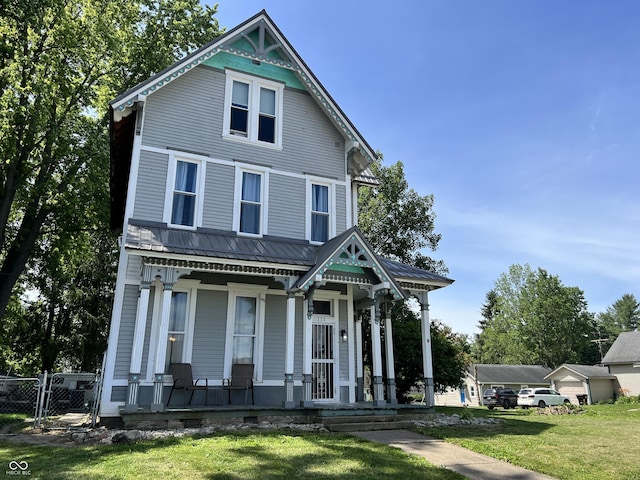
[323, 361]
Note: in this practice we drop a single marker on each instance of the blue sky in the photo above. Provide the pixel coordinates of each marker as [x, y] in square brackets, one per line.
[521, 117]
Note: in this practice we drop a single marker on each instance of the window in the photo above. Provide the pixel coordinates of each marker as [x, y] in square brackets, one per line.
[244, 330]
[184, 194]
[253, 111]
[240, 109]
[320, 207]
[183, 202]
[319, 213]
[245, 327]
[322, 307]
[177, 328]
[251, 203]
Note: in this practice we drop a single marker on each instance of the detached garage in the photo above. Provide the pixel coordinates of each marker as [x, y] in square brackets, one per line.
[583, 383]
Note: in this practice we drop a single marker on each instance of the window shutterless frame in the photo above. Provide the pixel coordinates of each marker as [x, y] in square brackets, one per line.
[245, 327]
[184, 192]
[250, 208]
[321, 217]
[253, 109]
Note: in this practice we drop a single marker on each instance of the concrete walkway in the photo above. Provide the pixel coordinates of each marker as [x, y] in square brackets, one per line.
[472, 465]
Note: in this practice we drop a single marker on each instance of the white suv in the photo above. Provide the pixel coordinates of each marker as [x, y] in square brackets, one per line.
[540, 397]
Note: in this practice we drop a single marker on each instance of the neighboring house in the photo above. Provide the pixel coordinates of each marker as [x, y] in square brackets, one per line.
[234, 179]
[480, 377]
[623, 360]
[583, 383]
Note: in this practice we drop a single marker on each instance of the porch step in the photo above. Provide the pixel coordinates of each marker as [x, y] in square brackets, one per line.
[363, 423]
[369, 426]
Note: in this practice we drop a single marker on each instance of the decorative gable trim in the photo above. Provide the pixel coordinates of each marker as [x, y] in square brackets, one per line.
[279, 53]
[350, 251]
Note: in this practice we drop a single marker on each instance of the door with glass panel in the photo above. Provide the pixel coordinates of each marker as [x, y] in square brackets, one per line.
[323, 361]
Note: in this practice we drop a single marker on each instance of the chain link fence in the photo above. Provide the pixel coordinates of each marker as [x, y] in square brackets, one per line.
[51, 396]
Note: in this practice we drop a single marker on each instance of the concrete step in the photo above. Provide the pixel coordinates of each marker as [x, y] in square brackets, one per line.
[369, 426]
[356, 419]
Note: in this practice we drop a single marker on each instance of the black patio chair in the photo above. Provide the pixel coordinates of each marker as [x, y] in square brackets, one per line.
[183, 380]
[241, 379]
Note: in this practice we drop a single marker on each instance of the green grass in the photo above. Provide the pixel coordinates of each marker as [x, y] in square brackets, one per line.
[255, 455]
[11, 421]
[602, 442]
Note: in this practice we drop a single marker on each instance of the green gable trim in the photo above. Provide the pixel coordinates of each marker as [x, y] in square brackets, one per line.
[337, 267]
[247, 65]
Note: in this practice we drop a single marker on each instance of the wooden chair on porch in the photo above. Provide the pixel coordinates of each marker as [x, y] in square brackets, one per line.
[241, 379]
[183, 380]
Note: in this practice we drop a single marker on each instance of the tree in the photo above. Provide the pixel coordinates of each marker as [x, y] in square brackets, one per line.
[449, 352]
[536, 320]
[60, 61]
[622, 316]
[397, 221]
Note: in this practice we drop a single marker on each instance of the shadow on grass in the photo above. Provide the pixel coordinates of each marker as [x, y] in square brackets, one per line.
[334, 456]
[512, 421]
[252, 454]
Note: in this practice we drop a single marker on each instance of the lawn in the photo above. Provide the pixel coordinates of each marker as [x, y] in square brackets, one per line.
[256, 455]
[602, 442]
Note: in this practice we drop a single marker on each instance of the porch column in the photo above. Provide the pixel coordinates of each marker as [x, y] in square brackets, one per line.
[391, 371]
[427, 361]
[307, 374]
[359, 365]
[131, 404]
[376, 351]
[161, 341]
[289, 349]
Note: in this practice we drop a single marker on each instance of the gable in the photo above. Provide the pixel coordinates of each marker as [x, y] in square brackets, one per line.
[256, 45]
[350, 254]
[626, 349]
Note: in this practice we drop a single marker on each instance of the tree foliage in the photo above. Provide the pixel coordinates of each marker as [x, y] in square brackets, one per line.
[60, 63]
[449, 352]
[622, 316]
[532, 318]
[398, 221]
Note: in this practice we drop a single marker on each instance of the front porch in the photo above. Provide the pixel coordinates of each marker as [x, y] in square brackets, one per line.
[335, 417]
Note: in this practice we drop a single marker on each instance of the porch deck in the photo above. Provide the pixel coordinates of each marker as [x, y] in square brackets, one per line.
[329, 415]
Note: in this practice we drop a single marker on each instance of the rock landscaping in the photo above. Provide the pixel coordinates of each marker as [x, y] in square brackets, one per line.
[103, 436]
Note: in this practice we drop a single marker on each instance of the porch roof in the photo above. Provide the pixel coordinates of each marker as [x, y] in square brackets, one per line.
[157, 239]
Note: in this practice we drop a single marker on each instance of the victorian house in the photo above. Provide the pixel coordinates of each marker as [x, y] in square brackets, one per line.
[234, 179]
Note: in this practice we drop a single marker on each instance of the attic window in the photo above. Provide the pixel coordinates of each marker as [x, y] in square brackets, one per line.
[253, 110]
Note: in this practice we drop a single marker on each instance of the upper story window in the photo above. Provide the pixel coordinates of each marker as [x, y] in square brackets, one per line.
[183, 204]
[251, 203]
[319, 221]
[250, 211]
[319, 213]
[253, 109]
